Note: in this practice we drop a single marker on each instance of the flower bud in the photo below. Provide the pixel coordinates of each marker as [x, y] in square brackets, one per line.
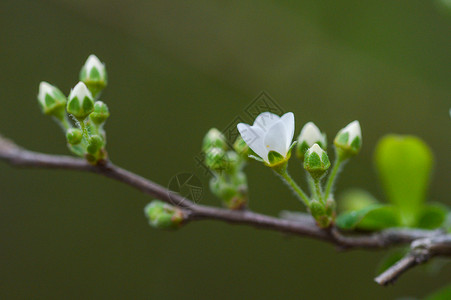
[94, 75]
[95, 144]
[349, 140]
[100, 113]
[51, 99]
[216, 159]
[242, 148]
[163, 216]
[316, 161]
[318, 212]
[310, 134]
[74, 136]
[214, 139]
[232, 190]
[80, 103]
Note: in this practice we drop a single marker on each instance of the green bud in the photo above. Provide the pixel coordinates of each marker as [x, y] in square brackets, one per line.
[164, 216]
[214, 139]
[242, 148]
[95, 144]
[74, 136]
[316, 161]
[310, 135]
[51, 99]
[330, 207]
[349, 140]
[94, 75]
[231, 189]
[318, 212]
[100, 113]
[216, 159]
[80, 103]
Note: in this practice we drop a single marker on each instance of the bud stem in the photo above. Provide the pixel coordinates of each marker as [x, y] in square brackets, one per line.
[298, 191]
[83, 129]
[333, 175]
[318, 191]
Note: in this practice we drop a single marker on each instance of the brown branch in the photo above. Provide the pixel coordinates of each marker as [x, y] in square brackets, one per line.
[421, 251]
[305, 226]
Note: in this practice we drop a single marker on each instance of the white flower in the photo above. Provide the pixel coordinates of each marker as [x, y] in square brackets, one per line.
[269, 133]
[94, 62]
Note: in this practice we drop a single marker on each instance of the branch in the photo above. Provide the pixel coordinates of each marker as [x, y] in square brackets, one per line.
[421, 251]
[305, 226]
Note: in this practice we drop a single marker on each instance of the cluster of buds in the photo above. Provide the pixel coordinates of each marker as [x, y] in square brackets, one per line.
[163, 215]
[270, 137]
[85, 136]
[229, 182]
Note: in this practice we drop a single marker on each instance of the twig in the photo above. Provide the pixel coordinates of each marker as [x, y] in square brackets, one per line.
[305, 226]
[422, 250]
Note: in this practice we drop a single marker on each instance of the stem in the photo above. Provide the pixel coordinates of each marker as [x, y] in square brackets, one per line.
[318, 191]
[299, 192]
[333, 175]
[83, 129]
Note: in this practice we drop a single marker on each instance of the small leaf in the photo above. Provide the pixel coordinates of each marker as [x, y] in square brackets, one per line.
[432, 216]
[355, 199]
[383, 217]
[351, 219]
[404, 164]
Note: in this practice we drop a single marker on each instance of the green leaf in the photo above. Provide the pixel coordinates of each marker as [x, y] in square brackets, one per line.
[373, 217]
[442, 294]
[404, 164]
[383, 217]
[432, 216]
[355, 199]
[351, 219]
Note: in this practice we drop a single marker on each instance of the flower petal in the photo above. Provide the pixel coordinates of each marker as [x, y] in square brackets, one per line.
[288, 121]
[275, 139]
[265, 120]
[253, 136]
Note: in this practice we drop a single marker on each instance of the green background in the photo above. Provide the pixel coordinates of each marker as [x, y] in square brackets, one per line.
[176, 69]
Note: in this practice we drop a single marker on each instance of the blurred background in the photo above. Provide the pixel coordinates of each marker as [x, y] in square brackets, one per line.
[176, 69]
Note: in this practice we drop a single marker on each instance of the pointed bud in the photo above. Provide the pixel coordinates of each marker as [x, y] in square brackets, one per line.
[316, 161]
[349, 140]
[95, 144]
[318, 212]
[80, 103]
[74, 136]
[310, 134]
[100, 113]
[94, 75]
[242, 148]
[164, 216]
[232, 190]
[214, 139]
[216, 159]
[51, 99]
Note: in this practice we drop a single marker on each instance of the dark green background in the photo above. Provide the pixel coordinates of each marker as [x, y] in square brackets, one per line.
[176, 69]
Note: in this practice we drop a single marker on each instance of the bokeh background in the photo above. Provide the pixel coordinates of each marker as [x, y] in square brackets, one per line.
[176, 69]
